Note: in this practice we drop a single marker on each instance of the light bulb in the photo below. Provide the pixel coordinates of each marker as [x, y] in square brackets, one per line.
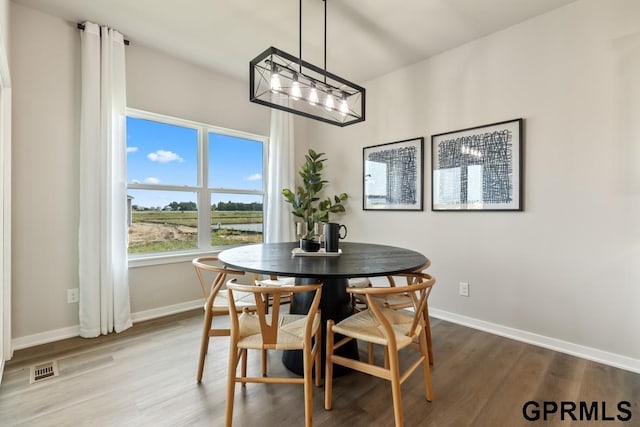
[313, 95]
[296, 93]
[344, 107]
[329, 104]
[275, 80]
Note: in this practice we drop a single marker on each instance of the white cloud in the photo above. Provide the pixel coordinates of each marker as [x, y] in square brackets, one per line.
[152, 180]
[163, 156]
[132, 149]
[254, 177]
[135, 181]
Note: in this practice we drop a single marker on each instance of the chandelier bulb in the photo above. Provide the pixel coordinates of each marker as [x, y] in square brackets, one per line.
[313, 95]
[329, 103]
[296, 92]
[275, 79]
[344, 106]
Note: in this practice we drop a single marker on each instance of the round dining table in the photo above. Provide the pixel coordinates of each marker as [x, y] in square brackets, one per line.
[333, 270]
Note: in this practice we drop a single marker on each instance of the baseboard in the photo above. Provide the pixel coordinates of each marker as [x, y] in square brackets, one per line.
[589, 353]
[74, 331]
[166, 311]
[45, 337]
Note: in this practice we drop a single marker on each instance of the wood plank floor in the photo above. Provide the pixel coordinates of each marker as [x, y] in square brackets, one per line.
[146, 377]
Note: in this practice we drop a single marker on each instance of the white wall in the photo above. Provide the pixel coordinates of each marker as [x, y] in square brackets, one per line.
[46, 91]
[46, 70]
[568, 267]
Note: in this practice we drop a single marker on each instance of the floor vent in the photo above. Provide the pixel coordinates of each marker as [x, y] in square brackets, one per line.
[43, 371]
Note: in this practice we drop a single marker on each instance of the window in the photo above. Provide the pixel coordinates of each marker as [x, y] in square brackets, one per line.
[192, 186]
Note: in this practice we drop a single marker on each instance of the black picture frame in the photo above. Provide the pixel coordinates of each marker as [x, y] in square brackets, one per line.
[478, 168]
[393, 176]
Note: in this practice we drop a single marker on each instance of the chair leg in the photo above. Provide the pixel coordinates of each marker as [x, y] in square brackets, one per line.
[231, 382]
[425, 366]
[328, 375]
[386, 357]
[308, 386]
[370, 355]
[204, 342]
[318, 357]
[264, 363]
[427, 326]
[243, 356]
[394, 366]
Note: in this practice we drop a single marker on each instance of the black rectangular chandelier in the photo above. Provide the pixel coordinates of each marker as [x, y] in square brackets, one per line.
[280, 80]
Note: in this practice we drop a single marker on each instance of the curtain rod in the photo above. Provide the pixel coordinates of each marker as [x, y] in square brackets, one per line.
[81, 27]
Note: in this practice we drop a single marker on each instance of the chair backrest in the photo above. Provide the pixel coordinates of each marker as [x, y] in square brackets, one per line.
[392, 281]
[210, 276]
[419, 289]
[265, 295]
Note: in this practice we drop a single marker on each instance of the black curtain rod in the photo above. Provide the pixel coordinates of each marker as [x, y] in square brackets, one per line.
[81, 27]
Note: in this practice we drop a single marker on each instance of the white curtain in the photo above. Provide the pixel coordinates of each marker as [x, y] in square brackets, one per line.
[280, 175]
[103, 271]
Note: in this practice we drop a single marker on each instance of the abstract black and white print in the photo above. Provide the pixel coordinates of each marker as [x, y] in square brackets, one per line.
[393, 175]
[477, 168]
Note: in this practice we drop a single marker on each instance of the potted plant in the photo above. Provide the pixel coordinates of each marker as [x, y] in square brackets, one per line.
[307, 204]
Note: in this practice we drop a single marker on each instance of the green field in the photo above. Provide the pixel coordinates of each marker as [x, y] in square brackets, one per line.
[163, 231]
[191, 218]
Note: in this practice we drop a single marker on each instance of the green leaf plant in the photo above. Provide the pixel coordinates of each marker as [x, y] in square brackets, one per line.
[306, 201]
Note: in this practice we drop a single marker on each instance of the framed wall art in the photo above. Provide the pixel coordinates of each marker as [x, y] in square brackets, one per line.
[478, 169]
[393, 176]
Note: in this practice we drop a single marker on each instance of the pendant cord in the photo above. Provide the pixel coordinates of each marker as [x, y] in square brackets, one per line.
[325, 39]
[300, 36]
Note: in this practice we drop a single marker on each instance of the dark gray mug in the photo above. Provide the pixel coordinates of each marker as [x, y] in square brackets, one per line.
[332, 236]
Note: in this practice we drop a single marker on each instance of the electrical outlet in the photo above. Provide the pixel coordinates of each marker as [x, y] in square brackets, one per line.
[72, 295]
[464, 289]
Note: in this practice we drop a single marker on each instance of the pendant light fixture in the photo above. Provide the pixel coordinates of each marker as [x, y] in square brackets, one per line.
[285, 82]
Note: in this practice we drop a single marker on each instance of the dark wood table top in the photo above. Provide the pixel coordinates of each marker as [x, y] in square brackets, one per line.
[356, 260]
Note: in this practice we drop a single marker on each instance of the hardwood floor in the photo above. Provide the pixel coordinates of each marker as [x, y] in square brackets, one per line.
[146, 376]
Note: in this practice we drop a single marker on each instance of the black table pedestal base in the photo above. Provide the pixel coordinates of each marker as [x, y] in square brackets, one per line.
[335, 304]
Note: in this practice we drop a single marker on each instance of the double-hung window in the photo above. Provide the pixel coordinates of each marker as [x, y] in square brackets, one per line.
[192, 186]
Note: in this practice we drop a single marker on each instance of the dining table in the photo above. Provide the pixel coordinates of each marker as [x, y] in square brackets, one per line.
[332, 269]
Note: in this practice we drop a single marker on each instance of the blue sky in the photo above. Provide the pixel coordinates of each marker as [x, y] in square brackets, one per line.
[159, 153]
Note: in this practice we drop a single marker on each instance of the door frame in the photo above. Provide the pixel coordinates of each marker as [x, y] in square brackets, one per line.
[6, 351]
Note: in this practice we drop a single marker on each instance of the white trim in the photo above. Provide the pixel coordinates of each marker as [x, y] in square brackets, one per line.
[46, 337]
[5, 223]
[74, 331]
[6, 350]
[589, 353]
[167, 258]
[166, 311]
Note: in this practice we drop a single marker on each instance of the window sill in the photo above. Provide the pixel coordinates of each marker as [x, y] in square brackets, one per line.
[144, 260]
[172, 258]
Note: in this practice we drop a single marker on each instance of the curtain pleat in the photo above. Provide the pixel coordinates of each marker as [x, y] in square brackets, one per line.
[279, 220]
[103, 272]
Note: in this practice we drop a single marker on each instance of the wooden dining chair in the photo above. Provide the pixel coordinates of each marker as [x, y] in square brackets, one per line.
[398, 302]
[395, 330]
[274, 280]
[212, 279]
[274, 331]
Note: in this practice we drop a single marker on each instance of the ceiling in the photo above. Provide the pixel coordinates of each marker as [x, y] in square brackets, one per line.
[365, 38]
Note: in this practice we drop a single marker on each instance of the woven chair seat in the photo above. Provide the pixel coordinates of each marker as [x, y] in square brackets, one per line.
[290, 331]
[364, 326]
[242, 299]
